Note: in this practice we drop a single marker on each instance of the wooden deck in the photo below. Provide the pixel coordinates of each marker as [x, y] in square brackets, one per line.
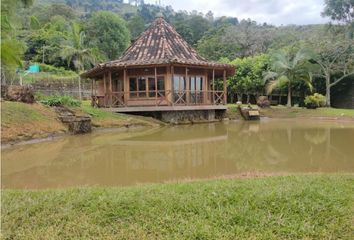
[165, 108]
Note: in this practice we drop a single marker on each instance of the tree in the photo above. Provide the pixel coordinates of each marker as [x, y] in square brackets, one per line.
[76, 53]
[45, 14]
[250, 38]
[108, 32]
[287, 69]
[248, 78]
[191, 28]
[136, 26]
[212, 47]
[342, 11]
[339, 10]
[11, 48]
[335, 56]
[44, 44]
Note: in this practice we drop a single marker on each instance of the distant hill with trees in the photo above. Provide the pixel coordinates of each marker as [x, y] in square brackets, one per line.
[41, 30]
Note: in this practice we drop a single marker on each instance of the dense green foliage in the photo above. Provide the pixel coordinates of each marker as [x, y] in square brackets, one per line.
[108, 32]
[249, 76]
[294, 207]
[314, 101]
[287, 69]
[76, 35]
[58, 101]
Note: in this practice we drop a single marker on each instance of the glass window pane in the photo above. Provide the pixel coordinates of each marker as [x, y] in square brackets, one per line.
[192, 84]
[161, 86]
[133, 87]
[198, 83]
[160, 83]
[142, 87]
[152, 87]
[182, 84]
[175, 83]
[179, 83]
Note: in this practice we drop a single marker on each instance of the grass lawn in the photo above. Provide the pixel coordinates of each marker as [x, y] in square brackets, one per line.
[21, 121]
[291, 207]
[297, 112]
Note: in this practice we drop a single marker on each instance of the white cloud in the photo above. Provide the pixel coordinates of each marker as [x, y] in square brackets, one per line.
[276, 12]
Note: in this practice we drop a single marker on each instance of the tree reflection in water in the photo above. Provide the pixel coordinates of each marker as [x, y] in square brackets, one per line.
[181, 152]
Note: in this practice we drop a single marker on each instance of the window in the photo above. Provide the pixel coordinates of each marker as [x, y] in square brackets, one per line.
[142, 87]
[179, 83]
[152, 87]
[133, 87]
[161, 86]
[146, 86]
[196, 83]
[196, 87]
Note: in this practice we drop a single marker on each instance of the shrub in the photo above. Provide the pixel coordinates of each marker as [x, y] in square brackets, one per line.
[59, 101]
[263, 102]
[315, 101]
[55, 70]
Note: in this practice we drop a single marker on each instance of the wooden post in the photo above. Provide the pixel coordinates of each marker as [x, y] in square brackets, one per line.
[95, 82]
[225, 88]
[105, 90]
[205, 86]
[172, 75]
[188, 87]
[125, 87]
[155, 86]
[213, 86]
[110, 88]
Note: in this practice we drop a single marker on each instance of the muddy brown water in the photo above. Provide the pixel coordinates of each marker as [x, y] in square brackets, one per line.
[177, 153]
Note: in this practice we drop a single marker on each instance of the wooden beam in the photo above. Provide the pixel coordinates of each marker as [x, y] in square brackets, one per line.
[110, 87]
[213, 86]
[125, 86]
[205, 86]
[188, 87]
[105, 90]
[95, 87]
[172, 76]
[155, 86]
[225, 88]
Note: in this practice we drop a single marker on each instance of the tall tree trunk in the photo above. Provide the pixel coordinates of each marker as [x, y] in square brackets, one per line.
[239, 97]
[248, 98]
[328, 91]
[289, 95]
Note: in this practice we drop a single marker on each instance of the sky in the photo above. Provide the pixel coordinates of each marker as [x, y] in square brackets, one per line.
[276, 12]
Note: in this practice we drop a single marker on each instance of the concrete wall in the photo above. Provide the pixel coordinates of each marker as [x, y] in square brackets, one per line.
[187, 116]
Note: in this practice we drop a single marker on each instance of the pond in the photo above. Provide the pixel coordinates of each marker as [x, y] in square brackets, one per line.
[177, 153]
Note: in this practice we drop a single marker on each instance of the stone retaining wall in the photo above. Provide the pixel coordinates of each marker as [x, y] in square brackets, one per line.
[63, 88]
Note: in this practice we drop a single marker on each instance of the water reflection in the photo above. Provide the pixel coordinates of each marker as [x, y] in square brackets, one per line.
[172, 153]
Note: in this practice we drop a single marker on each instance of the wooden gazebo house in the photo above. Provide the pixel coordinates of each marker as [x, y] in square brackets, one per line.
[159, 72]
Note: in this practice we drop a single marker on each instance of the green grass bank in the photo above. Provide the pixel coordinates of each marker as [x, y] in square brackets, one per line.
[297, 112]
[290, 207]
[21, 121]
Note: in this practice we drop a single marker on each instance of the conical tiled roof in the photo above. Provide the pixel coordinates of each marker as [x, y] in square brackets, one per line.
[159, 44]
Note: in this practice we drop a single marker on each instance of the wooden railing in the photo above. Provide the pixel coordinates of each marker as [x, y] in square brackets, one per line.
[160, 98]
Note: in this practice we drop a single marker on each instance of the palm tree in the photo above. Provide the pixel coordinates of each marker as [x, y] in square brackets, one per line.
[11, 48]
[287, 70]
[75, 51]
